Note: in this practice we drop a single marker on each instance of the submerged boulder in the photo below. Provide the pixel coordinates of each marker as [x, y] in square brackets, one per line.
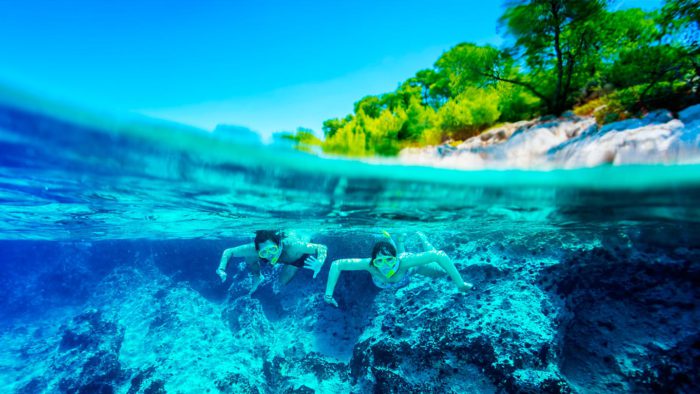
[88, 355]
[627, 315]
[432, 339]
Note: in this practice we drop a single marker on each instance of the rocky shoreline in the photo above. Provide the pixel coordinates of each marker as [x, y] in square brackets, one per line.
[572, 141]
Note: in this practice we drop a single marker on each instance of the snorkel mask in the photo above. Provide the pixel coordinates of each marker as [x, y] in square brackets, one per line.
[384, 255]
[271, 253]
[387, 265]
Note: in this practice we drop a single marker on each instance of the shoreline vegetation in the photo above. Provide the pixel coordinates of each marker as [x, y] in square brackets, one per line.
[559, 56]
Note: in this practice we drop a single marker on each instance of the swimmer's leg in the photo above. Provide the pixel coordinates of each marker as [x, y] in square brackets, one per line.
[427, 246]
[287, 274]
[431, 270]
[401, 244]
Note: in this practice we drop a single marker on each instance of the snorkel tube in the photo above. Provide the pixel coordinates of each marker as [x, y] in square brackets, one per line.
[273, 260]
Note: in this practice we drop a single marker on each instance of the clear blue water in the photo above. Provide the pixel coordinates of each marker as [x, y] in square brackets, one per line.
[84, 195]
[68, 175]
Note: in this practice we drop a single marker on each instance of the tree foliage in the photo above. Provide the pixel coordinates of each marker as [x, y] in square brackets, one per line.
[558, 54]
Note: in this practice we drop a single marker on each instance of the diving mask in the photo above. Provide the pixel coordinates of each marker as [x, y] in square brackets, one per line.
[271, 253]
[387, 265]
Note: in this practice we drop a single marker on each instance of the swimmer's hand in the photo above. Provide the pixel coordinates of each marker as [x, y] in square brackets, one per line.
[312, 263]
[330, 300]
[465, 287]
[222, 275]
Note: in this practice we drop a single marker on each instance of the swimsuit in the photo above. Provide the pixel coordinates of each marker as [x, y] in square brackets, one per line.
[299, 263]
[391, 285]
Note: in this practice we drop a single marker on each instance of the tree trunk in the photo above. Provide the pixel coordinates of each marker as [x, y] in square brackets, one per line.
[558, 99]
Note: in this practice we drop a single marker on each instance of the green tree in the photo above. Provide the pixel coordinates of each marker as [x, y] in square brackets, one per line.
[402, 96]
[434, 87]
[682, 16]
[560, 53]
[331, 126]
[364, 135]
[680, 19]
[383, 132]
[650, 63]
[370, 105]
[468, 65]
[303, 139]
[470, 112]
[553, 40]
[418, 118]
[349, 139]
[516, 103]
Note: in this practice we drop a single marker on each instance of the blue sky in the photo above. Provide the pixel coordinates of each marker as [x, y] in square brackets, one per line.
[267, 65]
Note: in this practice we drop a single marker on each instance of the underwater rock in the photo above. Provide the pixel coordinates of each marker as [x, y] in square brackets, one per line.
[542, 319]
[245, 314]
[139, 379]
[300, 390]
[323, 369]
[89, 331]
[676, 368]
[429, 342]
[623, 320]
[88, 356]
[234, 383]
[156, 387]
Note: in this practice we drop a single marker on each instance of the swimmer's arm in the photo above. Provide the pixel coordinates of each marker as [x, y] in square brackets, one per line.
[246, 251]
[343, 265]
[253, 265]
[317, 255]
[440, 257]
[321, 251]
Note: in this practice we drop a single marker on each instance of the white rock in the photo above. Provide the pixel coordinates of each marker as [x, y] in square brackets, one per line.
[571, 142]
[690, 114]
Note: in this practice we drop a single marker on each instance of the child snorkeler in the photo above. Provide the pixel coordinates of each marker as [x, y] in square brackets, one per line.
[390, 267]
[275, 247]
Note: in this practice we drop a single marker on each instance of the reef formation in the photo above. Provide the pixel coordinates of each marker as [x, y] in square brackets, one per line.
[617, 313]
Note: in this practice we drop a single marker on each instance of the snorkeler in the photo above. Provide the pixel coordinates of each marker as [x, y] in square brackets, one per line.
[275, 247]
[391, 267]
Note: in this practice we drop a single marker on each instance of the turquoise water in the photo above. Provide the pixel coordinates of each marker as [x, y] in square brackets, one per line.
[71, 175]
[97, 193]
